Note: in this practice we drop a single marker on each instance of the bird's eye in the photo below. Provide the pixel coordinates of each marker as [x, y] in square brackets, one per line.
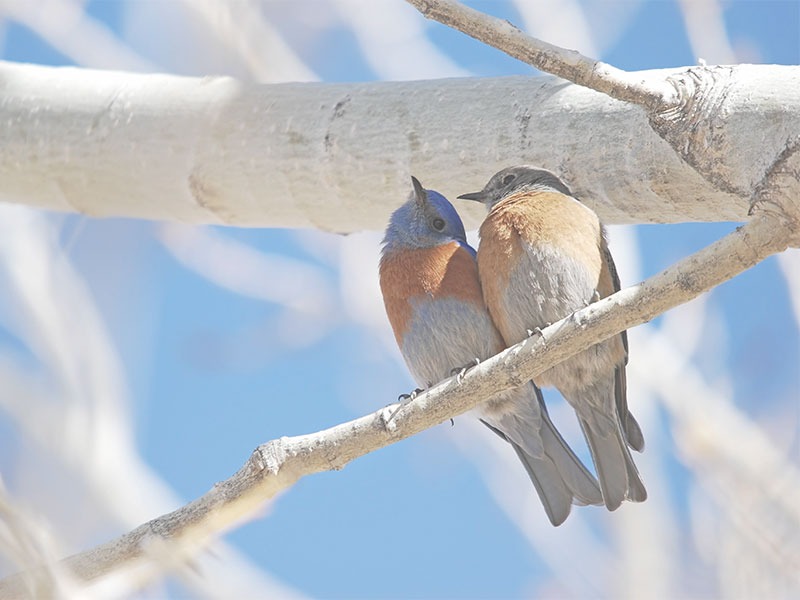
[509, 178]
[438, 224]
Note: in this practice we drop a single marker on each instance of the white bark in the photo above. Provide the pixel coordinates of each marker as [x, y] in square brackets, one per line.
[337, 156]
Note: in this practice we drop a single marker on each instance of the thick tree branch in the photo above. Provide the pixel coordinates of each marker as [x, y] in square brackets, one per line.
[279, 463]
[568, 64]
[337, 156]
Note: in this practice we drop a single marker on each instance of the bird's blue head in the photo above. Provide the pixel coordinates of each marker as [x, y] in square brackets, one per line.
[426, 220]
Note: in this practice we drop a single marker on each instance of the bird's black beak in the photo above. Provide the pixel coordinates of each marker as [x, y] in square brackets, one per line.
[477, 196]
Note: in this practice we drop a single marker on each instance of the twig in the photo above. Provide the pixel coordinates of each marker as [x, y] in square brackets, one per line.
[276, 465]
[569, 64]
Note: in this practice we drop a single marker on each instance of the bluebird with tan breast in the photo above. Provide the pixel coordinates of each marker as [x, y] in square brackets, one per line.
[429, 281]
[542, 256]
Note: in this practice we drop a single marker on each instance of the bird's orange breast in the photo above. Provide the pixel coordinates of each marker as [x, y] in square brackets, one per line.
[446, 271]
[539, 218]
[535, 219]
[549, 218]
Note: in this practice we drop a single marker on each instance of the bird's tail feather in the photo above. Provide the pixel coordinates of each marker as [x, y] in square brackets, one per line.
[553, 492]
[579, 480]
[633, 433]
[618, 475]
[631, 429]
[557, 474]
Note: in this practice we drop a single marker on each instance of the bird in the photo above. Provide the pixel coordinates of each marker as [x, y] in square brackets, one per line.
[543, 255]
[429, 282]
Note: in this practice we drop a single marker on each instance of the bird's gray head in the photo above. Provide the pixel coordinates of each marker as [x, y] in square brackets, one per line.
[517, 179]
[426, 220]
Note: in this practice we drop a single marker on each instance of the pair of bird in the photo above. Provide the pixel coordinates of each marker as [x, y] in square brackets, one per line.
[542, 255]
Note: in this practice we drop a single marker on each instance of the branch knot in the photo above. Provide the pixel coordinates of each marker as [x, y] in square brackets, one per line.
[691, 126]
[269, 457]
[778, 193]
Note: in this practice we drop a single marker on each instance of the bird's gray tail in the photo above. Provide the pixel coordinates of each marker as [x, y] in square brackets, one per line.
[618, 475]
[630, 427]
[560, 478]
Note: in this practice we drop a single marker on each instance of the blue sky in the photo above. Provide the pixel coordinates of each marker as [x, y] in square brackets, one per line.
[209, 373]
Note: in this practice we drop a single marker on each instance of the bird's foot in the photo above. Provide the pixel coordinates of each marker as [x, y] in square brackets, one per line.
[459, 372]
[595, 297]
[406, 398]
[537, 330]
[393, 409]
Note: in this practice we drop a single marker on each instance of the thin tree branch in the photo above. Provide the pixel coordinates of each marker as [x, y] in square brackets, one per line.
[568, 64]
[278, 464]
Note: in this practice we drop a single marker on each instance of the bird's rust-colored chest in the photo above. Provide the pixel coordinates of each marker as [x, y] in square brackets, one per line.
[426, 274]
[548, 219]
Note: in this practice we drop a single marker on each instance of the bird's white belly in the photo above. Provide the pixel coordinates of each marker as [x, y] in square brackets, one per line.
[446, 334]
[545, 287]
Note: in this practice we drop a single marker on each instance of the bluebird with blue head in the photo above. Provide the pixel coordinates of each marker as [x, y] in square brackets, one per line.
[543, 255]
[433, 298]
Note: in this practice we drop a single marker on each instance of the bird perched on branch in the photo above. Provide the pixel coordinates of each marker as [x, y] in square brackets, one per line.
[542, 256]
[429, 281]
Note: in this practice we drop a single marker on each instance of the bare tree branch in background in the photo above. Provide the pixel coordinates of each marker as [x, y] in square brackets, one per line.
[241, 25]
[705, 28]
[69, 29]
